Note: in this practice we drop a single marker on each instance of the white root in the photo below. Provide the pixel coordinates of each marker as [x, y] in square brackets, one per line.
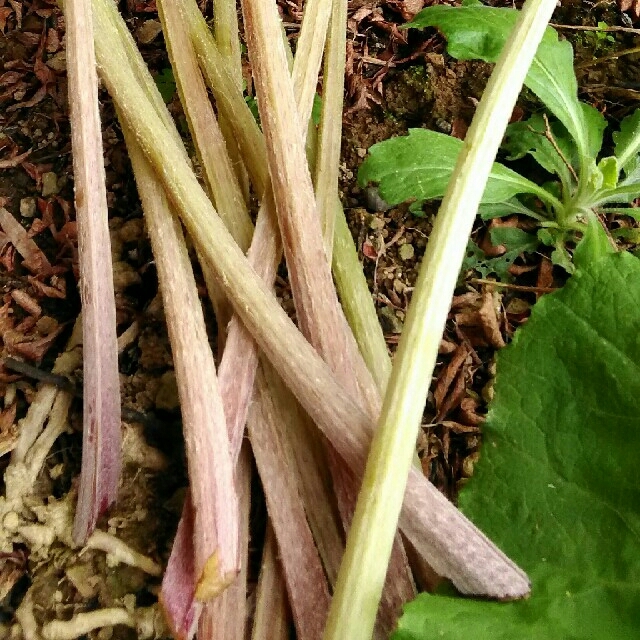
[146, 620]
[119, 552]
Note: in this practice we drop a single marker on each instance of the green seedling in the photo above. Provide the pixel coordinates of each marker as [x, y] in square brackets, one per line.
[565, 140]
[599, 39]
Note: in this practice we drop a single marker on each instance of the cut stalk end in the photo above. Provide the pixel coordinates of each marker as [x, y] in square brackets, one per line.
[212, 582]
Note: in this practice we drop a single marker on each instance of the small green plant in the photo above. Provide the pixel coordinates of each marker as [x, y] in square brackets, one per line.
[599, 39]
[567, 144]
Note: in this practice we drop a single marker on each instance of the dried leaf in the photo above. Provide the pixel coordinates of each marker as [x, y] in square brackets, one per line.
[448, 375]
[489, 321]
[33, 258]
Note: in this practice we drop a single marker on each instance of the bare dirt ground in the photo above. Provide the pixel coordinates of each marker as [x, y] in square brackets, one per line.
[395, 80]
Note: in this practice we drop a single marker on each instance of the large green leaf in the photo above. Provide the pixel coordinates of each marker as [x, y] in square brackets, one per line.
[478, 32]
[418, 167]
[557, 483]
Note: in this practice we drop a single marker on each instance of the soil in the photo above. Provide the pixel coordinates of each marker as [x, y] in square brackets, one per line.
[396, 80]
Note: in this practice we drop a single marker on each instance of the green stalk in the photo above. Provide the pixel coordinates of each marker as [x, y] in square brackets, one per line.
[451, 544]
[203, 124]
[309, 50]
[228, 94]
[355, 601]
[357, 302]
[211, 148]
[225, 28]
[330, 133]
[225, 31]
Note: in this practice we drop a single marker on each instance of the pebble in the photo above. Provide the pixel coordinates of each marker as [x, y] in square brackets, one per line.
[374, 201]
[406, 251]
[28, 207]
[49, 184]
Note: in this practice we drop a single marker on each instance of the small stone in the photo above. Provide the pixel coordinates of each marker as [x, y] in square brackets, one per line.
[131, 230]
[374, 201]
[361, 152]
[406, 252]
[56, 471]
[49, 184]
[124, 275]
[376, 222]
[28, 207]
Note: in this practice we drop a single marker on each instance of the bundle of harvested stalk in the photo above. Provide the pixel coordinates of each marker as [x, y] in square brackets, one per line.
[309, 395]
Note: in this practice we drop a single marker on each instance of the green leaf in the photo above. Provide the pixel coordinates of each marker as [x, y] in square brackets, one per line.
[609, 169]
[418, 167]
[560, 257]
[166, 84]
[491, 210]
[622, 193]
[528, 137]
[627, 142]
[481, 32]
[513, 239]
[594, 244]
[557, 482]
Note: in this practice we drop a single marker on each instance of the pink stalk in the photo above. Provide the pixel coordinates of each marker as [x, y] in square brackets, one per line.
[319, 314]
[102, 439]
[216, 521]
[271, 619]
[225, 617]
[309, 599]
[452, 545]
[302, 568]
[181, 609]
[301, 437]
[317, 306]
